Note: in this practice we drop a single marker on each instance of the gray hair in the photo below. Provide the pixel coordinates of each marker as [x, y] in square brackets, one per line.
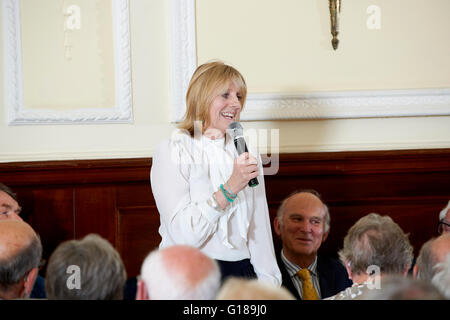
[426, 261]
[15, 268]
[280, 211]
[443, 212]
[162, 284]
[403, 288]
[102, 272]
[441, 280]
[8, 191]
[376, 240]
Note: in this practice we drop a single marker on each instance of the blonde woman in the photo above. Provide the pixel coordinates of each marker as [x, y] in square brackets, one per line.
[200, 184]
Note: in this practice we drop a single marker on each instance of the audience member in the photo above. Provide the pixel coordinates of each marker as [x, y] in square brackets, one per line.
[432, 252]
[10, 209]
[303, 223]
[86, 269]
[441, 280]
[395, 287]
[252, 289]
[444, 220]
[375, 246]
[20, 254]
[178, 272]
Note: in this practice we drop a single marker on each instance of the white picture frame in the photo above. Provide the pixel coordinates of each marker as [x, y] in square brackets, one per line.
[297, 105]
[17, 114]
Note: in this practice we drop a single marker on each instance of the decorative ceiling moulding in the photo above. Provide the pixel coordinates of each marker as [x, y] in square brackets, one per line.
[320, 105]
[17, 114]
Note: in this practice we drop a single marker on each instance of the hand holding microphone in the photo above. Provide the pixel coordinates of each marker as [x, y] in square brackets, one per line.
[245, 169]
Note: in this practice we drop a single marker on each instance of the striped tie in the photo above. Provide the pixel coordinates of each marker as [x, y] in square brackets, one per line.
[309, 292]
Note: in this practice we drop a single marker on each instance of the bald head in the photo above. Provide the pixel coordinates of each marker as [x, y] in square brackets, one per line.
[187, 263]
[308, 200]
[15, 235]
[20, 254]
[180, 272]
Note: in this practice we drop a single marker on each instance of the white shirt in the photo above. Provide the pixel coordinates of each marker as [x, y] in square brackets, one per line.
[184, 175]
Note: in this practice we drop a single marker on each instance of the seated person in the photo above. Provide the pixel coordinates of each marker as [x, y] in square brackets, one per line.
[10, 210]
[20, 254]
[178, 272]
[303, 223]
[375, 246]
[86, 269]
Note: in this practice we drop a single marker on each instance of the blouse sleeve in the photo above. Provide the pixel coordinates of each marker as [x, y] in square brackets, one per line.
[185, 221]
[262, 253]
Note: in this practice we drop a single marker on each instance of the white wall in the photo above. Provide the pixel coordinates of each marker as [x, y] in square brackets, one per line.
[150, 53]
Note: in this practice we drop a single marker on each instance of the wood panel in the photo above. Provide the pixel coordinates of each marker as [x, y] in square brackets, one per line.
[68, 199]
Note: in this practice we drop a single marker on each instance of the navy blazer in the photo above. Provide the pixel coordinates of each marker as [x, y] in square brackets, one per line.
[333, 277]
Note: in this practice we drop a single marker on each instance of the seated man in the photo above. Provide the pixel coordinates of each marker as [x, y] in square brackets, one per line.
[20, 254]
[375, 246]
[86, 269]
[178, 272]
[10, 209]
[303, 223]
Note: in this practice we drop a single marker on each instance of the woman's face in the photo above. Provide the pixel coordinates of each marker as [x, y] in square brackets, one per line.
[224, 109]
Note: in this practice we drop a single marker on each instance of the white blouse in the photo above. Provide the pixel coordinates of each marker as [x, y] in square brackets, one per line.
[185, 173]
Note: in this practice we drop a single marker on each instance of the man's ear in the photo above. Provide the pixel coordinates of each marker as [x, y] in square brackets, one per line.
[29, 280]
[141, 293]
[349, 271]
[415, 271]
[276, 226]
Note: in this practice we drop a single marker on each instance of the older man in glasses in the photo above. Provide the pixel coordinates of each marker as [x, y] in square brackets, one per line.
[444, 220]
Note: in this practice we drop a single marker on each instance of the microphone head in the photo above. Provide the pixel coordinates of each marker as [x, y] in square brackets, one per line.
[235, 129]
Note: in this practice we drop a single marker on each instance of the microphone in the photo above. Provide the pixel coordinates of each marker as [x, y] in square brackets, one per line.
[237, 133]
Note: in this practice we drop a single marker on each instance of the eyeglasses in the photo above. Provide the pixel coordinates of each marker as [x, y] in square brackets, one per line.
[443, 226]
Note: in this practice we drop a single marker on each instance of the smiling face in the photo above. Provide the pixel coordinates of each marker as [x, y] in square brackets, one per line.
[225, 109]
[302, 229]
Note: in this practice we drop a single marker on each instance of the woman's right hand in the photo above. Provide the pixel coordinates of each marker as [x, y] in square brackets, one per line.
[245, 168]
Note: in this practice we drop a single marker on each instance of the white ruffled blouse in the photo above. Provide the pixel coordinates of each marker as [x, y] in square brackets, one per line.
[185, 173]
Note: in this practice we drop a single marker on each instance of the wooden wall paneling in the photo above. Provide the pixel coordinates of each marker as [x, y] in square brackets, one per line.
[67, 199]
[53, 218]
[138, 235]
[138, 224]
[95, 212]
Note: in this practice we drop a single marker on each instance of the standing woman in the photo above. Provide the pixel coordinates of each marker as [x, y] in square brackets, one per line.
[200, 184]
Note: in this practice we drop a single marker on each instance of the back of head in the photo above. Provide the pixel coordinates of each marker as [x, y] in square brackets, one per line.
[433, 251]
[376, 240]
[180, 273]
[20, 252]
[86, 269]
[441, 280]
[402, 288]
[243, 289]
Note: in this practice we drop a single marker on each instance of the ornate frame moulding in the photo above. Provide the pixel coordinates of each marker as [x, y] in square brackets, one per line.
[321, 105]
[17, 114]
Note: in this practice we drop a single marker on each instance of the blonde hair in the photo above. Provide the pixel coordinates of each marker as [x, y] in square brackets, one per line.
[252, 289]
[207, 81]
